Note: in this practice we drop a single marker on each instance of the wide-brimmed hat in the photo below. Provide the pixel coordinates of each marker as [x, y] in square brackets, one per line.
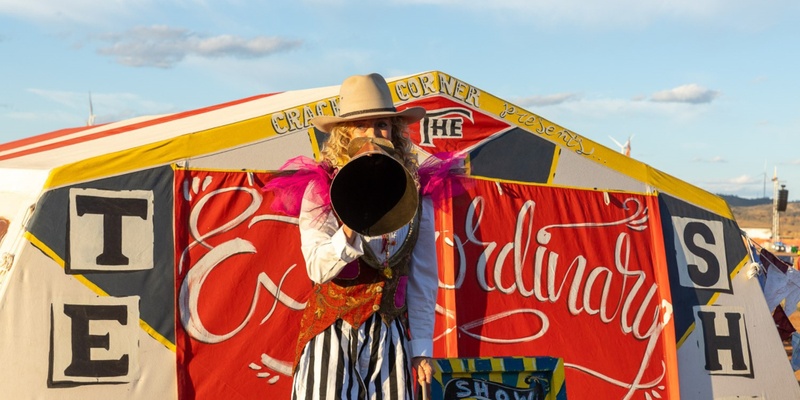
[366, 97]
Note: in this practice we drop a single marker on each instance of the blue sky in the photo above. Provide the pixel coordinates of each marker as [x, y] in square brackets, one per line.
[708, 89]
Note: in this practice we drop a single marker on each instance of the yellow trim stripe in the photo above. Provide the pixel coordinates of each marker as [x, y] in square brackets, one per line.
[190, 144]
[89, 284]
[157, 336]
[162, 152]
[685, 336]
[741, 265]
[497, 364]
[688, 192]
[557, 384]
[44, 248]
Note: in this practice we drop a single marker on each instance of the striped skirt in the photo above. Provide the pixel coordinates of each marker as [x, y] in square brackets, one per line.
[368, 362]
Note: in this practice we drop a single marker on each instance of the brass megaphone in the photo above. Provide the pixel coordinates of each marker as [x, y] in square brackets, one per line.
[373, 193]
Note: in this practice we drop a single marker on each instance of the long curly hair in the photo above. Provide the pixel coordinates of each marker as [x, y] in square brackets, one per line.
[334, 150]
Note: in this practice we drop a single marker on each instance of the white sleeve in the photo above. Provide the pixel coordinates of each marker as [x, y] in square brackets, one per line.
[323, 242]
[423, 284]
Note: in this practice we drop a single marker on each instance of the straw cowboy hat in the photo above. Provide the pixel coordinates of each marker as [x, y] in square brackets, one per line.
[366, 97]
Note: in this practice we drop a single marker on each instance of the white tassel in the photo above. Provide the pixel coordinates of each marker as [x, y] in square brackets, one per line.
[752, 270]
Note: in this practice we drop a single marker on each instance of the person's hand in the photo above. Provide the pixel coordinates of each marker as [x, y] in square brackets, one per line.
[424, 368]
[350, 234]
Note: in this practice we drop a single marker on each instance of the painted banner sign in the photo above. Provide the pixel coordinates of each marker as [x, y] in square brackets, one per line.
[240, 280]
[533, 271]
[575, 274]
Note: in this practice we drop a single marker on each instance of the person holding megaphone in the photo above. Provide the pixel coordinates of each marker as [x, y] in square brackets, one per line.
[369, 245]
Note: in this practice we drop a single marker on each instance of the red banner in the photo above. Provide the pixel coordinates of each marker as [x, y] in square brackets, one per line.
[524, 270]
[574, 274]
[240, 280]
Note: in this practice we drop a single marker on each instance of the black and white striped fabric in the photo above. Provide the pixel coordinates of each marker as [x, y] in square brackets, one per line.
[368, 362]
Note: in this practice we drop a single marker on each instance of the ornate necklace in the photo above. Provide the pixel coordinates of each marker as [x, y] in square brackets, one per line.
[388, 241]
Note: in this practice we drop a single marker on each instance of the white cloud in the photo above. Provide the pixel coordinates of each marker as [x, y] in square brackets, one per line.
[162, 46]
[547, 100]
[746, 186]
[691, 93]
[744, 180]
[601, 108]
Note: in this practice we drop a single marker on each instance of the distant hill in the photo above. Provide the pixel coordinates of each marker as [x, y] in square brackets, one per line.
[757, 213]
[736, 201]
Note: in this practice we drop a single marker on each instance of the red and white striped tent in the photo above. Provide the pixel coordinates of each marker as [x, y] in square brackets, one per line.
[142, 260]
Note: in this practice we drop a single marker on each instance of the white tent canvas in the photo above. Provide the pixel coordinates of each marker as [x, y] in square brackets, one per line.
[96, 292]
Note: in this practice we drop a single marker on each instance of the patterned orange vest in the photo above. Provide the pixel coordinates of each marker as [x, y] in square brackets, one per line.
[362, 288]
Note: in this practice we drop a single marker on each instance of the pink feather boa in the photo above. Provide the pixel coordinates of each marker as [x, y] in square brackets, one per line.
[290, 183]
